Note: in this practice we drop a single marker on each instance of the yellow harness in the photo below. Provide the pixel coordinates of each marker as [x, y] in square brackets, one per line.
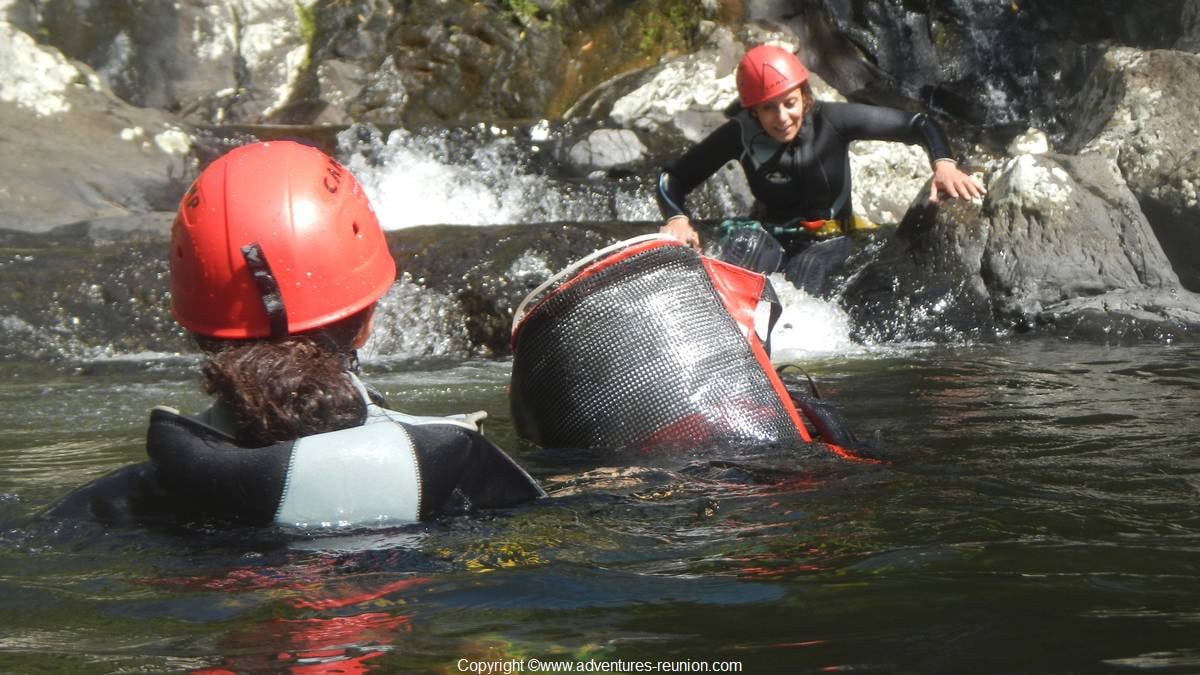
[823, 229]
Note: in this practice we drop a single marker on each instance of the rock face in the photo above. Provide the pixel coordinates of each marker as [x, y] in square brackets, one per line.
[1139, 110]
[214, 62]
[73, 151]
[1056, 236]
[993, 63]
[106, 109]
[403, 62]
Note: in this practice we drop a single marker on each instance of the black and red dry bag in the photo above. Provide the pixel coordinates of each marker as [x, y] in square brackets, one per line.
[644, 345]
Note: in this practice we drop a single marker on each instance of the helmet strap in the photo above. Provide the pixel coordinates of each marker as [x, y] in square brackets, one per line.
[268, 289]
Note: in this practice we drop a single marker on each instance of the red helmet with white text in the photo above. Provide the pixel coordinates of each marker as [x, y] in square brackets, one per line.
[766, 71]
[275, 239]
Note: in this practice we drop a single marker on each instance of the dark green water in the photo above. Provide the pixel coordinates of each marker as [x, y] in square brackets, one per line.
[1041, 516]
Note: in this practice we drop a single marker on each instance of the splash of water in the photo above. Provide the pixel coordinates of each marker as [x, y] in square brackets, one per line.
[809, 327]
[484, 175]
[412, 322]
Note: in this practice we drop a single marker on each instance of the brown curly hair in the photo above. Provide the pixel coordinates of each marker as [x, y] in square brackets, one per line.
[279, 390]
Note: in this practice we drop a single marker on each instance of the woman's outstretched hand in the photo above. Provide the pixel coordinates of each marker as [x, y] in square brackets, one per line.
[951, 183]
[681, 228]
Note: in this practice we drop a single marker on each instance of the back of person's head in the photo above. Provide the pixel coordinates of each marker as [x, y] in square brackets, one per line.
[277, 260]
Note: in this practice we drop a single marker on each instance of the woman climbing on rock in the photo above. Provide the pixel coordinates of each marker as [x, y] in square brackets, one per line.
[794, 151]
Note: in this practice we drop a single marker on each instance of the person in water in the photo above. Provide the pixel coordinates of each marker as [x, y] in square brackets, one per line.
[794, 151]
[277, 261]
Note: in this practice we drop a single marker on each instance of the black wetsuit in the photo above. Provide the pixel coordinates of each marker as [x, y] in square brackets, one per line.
[393, 469]
[807, 179]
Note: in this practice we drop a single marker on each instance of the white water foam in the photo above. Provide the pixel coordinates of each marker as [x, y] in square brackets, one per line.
[438, 178]
[413, 322]
[808, 326]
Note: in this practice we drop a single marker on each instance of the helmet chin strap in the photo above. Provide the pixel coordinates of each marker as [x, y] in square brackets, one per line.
[268, 289]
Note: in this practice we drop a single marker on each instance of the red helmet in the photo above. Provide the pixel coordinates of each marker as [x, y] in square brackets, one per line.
[275, 239]
[767, 71]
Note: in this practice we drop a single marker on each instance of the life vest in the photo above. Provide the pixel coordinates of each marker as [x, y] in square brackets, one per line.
[393, 469]
[647, 344]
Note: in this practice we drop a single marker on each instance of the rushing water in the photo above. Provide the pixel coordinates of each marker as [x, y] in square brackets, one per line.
[1040, 516]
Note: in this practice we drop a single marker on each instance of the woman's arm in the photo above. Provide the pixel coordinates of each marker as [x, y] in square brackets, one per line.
[865, 122]
[688, 171]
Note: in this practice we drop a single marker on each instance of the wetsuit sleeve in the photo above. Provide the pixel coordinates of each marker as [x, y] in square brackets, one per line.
[462, 471]
[857, 122]
[126, 496]
[683, 174]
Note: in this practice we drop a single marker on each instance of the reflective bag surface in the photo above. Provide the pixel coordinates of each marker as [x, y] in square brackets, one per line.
[644, 345]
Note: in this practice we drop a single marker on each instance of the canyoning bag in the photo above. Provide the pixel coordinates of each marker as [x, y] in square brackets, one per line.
[647, 344]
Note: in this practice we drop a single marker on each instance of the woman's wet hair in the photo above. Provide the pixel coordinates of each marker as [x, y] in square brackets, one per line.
[280, 390]
[806, 95]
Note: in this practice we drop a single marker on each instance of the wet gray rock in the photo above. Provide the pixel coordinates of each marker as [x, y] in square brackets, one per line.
[605, 149]
[989, 63]
[1127, 315]
[224, 62]
[1061, 227]
[1189, 39]
[74, 152]
[1139, 110]
[1058, 239]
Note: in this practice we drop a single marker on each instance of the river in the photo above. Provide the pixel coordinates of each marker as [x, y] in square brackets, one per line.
[1039, 516]
[1039, 512]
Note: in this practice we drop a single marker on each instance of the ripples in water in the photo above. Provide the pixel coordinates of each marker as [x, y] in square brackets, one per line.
[1040, 516]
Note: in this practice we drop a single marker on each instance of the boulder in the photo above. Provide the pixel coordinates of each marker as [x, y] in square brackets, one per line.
[688, 94]
[1061, 227]
[1139, 110]
[686, 84]
[1057, 239]
[74, 152]
[887, 177]
[605, 149]
[234, 61]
